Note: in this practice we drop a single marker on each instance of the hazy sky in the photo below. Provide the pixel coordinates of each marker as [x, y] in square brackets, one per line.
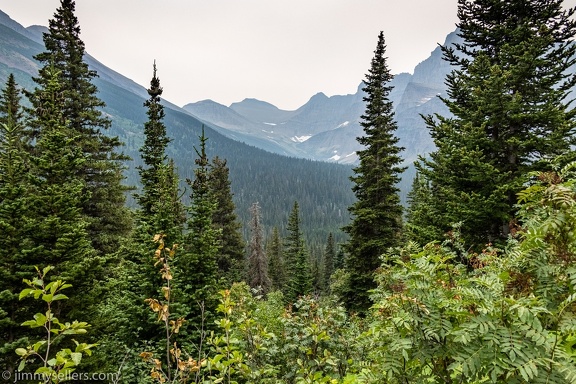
[280, 51]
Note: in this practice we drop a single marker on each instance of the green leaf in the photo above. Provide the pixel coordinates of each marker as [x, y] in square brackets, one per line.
[30, 323]
[37, 345]
[76, 357]
[25, 292]
[21, 351]
[59, 297]
[46, 371]
[40, 319]
[21, 365]
[47, 298]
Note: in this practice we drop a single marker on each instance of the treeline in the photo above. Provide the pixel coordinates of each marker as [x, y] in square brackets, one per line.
[476, 283]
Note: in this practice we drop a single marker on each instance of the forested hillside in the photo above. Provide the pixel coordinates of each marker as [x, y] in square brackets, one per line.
[475, 283]
[322, 189]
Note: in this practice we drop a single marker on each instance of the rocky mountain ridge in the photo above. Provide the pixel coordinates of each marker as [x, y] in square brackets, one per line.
[326, 128]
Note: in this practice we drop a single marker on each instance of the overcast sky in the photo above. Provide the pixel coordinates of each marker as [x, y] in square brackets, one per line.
[280, 51]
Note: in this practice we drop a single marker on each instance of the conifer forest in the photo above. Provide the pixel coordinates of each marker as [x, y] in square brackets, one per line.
[161, 281]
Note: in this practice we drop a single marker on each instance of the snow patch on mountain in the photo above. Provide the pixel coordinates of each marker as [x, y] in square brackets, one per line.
[300, 139]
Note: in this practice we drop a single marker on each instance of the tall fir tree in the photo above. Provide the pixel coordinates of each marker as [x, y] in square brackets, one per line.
[329, 260]
[196, 267]
[153, 151]
[58, 231]
[160, 211]
[160, 208]
[422, 219]
[257, 262]
[276, 264]
[102, 167]
[14, 207]
[231, 262]
[509, 97]
[377, 213]
[298, 273]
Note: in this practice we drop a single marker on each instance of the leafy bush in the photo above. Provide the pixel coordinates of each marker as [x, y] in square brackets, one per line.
[442, 314]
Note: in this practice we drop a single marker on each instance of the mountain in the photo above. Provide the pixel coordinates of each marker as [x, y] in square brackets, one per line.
[323, 190]
[263, 125]
[326, 128]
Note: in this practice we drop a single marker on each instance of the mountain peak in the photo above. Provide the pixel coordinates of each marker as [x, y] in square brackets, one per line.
[251, 102]
[319, 95]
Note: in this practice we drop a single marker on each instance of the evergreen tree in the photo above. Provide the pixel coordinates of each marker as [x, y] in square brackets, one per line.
[11, 113]
[329, 260]
[508, 94]
[339, 260]
[299, 278]
[196, 267]
[160, 208]
[257, 263]
[57, 231]
[421, 217]
[160, 211]
[276, 265]
[231, 263]
[316, 262]
[377, 213]
[14, 206]
[153, 151]
[102, 167]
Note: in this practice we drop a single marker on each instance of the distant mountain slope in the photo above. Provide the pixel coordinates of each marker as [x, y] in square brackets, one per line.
[325, 128]
[323, 190]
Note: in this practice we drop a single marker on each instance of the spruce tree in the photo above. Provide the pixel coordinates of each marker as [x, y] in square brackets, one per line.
[276, 264]
[153, 151]
[377, 213]
[58, 231]
[231, 265]
[102, 167]
[421, 217]
[196, 267]
[509, 97]
[160, 209]
[257, 263]
[298, 274]
[14, 216]
[329, 260]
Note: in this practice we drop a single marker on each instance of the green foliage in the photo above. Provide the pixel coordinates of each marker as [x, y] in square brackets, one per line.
[196, 270]
[53, 366]
[298, 273]
[231, 263]
[14, 206]
[101, 168]
[422, 218]
[160, 208]
[444, 314]
[56, 228]
[263, 342]
[509, 96]
[377, 213]
[176, 368]
[329, 259]
[276, 262]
